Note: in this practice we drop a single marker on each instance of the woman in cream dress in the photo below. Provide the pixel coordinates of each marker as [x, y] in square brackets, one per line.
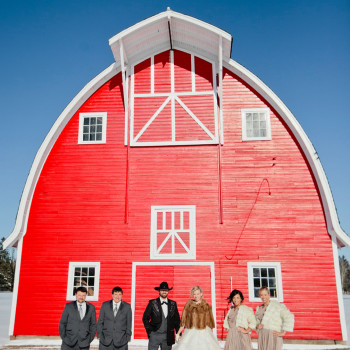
[198, 321]
[273, 321]
[239, 322]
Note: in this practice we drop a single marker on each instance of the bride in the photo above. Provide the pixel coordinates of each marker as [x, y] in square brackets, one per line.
[198, 321]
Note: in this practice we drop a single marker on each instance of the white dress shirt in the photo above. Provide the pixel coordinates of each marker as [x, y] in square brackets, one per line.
[116, 305]
[164, 307]
[83, 307]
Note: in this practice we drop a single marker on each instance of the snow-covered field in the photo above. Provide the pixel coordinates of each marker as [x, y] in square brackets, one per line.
[5, 309]
[347, 314]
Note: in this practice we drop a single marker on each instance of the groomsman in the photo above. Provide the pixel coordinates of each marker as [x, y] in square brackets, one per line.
[161, 320]
[114, 323]
[77, 326]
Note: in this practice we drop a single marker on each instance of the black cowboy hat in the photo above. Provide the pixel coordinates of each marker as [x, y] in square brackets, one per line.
[163, 285]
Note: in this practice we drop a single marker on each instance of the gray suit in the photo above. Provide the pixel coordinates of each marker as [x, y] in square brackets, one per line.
[114, 332]
[77, 333]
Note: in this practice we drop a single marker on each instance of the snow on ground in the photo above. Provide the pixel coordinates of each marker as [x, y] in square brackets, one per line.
[5, 310]
[347, 314]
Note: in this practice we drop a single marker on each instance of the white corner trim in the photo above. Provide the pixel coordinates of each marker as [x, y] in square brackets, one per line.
[193, 74]
[339, 289]
[15, 287]
[304, 142]
[152, 74]
[45, 148]
[172, 263]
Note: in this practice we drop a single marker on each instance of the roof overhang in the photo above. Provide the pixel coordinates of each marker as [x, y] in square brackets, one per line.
[170, 30]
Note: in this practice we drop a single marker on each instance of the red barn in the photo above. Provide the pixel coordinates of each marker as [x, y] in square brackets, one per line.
[176, 163]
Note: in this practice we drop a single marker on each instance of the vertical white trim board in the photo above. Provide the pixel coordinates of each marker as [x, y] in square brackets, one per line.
[15, 287]
[339, 289]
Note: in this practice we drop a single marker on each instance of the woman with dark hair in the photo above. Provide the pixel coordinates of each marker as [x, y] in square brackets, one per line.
[198, 321]
[273, 321]
[239, 322]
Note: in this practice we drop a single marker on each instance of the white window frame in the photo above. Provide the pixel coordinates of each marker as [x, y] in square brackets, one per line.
[244, 124]
[70, 285]
[191, 254]
[82, 116]
[260, 264]
[170, 98]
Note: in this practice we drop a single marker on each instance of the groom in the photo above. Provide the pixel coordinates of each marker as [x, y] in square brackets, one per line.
[161, 318]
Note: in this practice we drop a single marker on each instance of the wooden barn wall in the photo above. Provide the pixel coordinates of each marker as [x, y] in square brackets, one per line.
[78, 207]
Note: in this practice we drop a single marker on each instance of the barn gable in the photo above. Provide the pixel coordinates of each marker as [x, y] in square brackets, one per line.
[222, 53]
[171, 86]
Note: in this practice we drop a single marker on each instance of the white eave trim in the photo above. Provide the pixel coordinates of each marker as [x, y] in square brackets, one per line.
[332, 220]
[253, 81]
[166, 15]
[45, 148]
[142, 36]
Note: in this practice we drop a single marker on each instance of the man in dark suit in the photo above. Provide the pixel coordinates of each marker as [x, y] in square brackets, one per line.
[161, 319]
[77, 326]
[114, 322]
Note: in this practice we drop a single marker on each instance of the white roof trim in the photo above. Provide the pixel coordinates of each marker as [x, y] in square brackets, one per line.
[332, 220]
[333, 225]
[187, 33]
[45, 148]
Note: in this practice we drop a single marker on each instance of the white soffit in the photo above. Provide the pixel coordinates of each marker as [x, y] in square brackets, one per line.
[170, 30]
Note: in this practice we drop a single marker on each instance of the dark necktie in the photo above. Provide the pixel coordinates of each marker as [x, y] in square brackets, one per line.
[164, 302]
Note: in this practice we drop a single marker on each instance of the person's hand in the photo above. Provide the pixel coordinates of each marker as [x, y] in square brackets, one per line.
[178, 336]
[243, 330]
[260, 326]
[279, 334]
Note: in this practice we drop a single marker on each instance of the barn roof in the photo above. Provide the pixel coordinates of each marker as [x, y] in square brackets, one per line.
[167, 30]
[170, 30]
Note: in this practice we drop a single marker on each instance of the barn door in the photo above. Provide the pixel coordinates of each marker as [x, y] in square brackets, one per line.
[181, 278]
[185, 278]
[148, 277]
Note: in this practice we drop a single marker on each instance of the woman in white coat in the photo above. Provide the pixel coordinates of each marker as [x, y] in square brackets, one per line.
[273, 321]
[239, 322]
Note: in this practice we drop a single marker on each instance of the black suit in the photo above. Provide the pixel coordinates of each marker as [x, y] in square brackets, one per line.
[152, 318]
[74, 331]
[114, 332]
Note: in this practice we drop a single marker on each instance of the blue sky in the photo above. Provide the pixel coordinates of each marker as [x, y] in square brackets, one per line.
[51, 49]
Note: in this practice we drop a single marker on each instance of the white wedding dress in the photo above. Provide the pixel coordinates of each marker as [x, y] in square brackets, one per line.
[197, 339]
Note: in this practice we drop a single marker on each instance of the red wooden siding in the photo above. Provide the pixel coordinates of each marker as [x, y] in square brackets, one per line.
[272, 212]
[181, 278]
[182, 72]
[143, 77]
[203, 106]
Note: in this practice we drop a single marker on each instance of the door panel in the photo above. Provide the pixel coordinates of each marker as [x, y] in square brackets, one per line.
[181, 278]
